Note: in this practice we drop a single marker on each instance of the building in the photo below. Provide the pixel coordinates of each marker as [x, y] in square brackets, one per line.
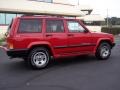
[93, 22]
[16, 8]
[57, 7]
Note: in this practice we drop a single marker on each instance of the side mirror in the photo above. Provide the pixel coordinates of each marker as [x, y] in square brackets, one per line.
[86, 31]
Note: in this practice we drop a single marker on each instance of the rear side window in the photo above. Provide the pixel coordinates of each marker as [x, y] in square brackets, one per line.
[30, 26]
[54, 26]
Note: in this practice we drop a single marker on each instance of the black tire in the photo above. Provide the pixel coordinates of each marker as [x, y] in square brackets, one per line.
[38, 58]
[103, 51]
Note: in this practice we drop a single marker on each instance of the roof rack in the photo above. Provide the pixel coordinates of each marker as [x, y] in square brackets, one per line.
[58, 16]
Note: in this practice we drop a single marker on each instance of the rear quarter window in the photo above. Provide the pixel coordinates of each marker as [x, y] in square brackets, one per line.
[30, 26]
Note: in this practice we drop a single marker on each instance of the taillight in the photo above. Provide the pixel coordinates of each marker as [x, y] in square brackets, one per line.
[10, 45]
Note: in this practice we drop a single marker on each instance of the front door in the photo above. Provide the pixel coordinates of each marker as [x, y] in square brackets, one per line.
[78, 39]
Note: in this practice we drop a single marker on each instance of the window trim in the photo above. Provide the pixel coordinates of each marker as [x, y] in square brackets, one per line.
[30, 32]
[54, 20]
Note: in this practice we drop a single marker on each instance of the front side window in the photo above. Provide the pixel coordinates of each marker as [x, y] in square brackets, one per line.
[54, 26]
[74, 26]
[30, 26]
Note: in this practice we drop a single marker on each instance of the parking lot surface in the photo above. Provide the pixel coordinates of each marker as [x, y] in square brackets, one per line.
[77, 73]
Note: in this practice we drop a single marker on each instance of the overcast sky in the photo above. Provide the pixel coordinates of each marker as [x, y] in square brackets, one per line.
[101, 6]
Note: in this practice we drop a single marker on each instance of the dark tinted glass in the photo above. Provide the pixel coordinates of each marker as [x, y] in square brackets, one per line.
[55, 26]
[30, 26]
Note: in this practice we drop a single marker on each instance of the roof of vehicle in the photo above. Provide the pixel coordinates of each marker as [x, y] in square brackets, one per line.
[49, 17]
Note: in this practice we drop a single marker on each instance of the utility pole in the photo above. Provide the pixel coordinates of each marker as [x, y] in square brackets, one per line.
[107, 19]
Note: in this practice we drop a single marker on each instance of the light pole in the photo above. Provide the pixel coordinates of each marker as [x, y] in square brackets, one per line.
[107, 19]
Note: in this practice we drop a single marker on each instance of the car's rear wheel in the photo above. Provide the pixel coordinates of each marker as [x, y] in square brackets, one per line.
[103, 51]
[39, 58]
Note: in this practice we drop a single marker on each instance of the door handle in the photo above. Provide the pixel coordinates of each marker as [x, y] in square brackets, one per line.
[70, 35]
[48, 35]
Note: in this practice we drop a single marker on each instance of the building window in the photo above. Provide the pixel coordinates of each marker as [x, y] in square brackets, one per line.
[49, 1]
[6, 18]
[2, 18]
[9, 18]
[87, 12]
[93, 23]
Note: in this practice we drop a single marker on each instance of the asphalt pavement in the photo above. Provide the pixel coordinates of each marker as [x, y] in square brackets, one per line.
[77, 73]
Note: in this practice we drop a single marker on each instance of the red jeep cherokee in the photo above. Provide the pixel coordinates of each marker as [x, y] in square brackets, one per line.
[38, 38]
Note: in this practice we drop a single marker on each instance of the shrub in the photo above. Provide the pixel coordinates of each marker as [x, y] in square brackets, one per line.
[2, 40]
[112, 30]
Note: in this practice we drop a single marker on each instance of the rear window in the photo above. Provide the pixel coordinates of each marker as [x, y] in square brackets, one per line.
[10, 25]
[30, 26]
[9, 28]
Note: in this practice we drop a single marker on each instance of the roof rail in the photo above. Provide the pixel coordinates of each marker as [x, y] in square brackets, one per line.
[47, 16]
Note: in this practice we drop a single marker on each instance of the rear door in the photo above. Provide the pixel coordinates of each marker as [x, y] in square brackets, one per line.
[28, 31]
[78, 39]
[56, 35]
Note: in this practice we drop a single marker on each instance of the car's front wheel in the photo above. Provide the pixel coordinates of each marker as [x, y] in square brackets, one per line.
[39, 58]
[104, 51]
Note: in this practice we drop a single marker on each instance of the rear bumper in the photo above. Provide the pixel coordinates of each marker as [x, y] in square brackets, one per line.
[15, 53]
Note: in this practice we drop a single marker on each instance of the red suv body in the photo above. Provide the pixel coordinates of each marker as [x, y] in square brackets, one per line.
[37, 38]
